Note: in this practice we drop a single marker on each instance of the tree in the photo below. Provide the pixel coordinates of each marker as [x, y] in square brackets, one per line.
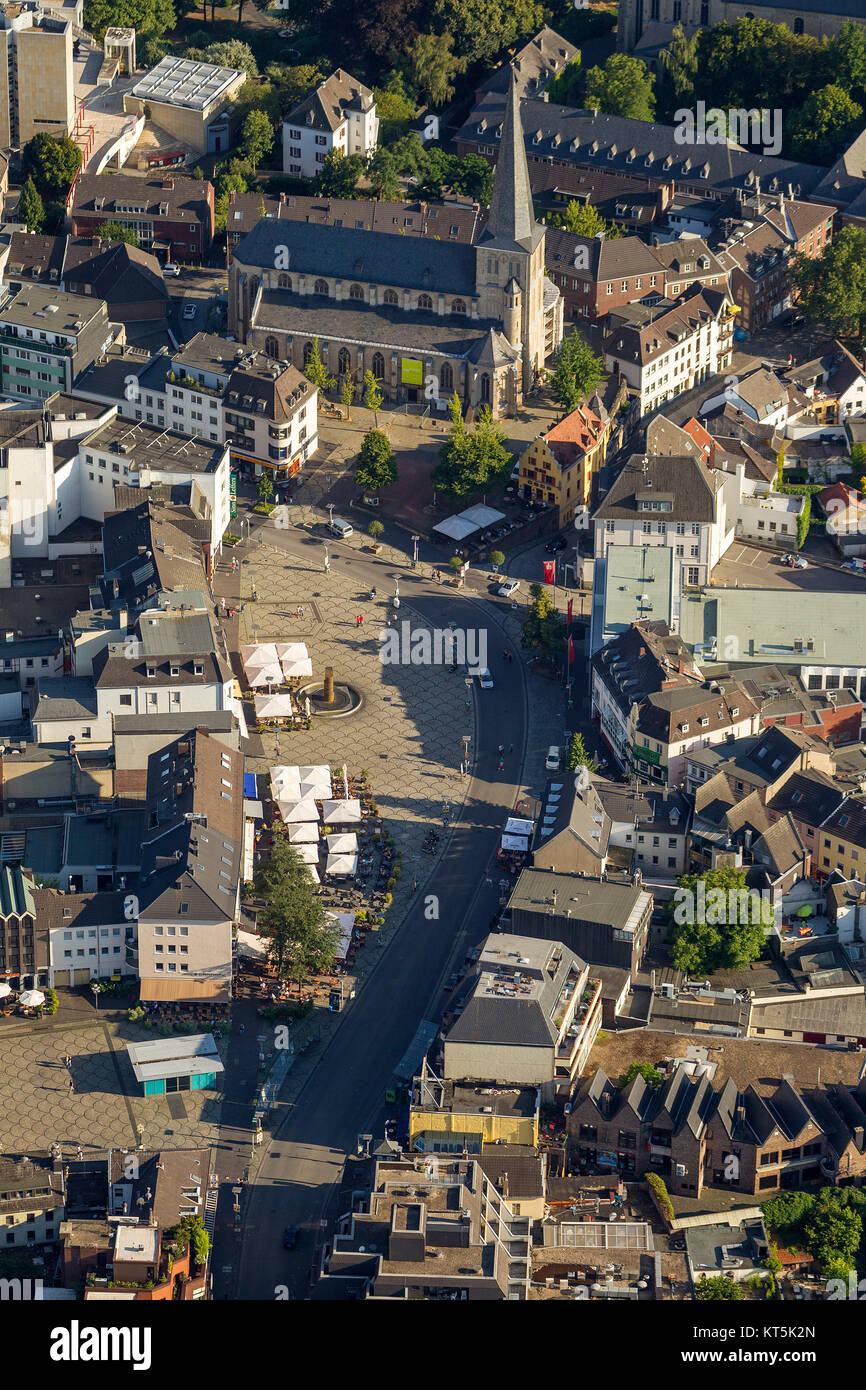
[583, 220]
[52, 164]
[578, 373]
[717, 922]
[481, 29]
[316, 371]
[301, 937]
[376, 466]
[115, 231]
[394, 107]
[497, 559]
[372, 396]
[436, 170]
[31, 209]
[232, 54]
[785, 1216]
[649, 1073]
[772, 1262]
[371, 31]
[832, 1230]
[375, 530]
[257, 137]
[473, 177]
[780, 465]
[190, 1230]
[543, 629]
[565, 86]
[347, 394]
[339, 175]
[150, 18]
[680, 63]
[291, 84]
[846, 59]
[265, 487]
[470, 459]
[578, 755]
[382, 175]
[718, 1288]
[833, 287]
[433, 67]
[823, 125]
[224, 186]
[623, 87]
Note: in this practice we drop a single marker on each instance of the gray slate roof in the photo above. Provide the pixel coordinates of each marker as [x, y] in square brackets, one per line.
[65, 697]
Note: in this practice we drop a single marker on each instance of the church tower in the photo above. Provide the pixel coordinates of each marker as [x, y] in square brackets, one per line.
[509, 254]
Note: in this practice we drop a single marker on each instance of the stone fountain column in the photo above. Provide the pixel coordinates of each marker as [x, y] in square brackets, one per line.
[328, 687]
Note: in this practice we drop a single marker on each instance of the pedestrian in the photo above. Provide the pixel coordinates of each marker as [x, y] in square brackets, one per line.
[501, 749]
[223, 602]
[241, 1029]
[501, 765]
[243, 608]
[511, 747]
[80, 1151]
[71, 1087]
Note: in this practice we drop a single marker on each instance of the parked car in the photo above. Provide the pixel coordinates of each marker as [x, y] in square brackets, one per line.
[796, 562]
[485, 680]
[856, 566]
[341, 529]
[190, 310]
[551, 762]
[290, 1237]
[553, 547]
[508, 588]
[171, 269]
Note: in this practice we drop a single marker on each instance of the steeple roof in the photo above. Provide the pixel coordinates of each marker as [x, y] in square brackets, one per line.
[511, 224]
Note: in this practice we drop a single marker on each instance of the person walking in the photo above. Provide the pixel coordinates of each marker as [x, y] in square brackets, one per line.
[71, 1087]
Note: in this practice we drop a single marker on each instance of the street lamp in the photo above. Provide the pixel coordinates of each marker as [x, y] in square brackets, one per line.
[415, 540]
[253, 584]
[330, 506]
[327, 559]
[96, 987]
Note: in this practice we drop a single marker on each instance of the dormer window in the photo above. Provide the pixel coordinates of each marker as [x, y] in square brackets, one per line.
[684, 728]
[175, 670]
[198, 669]
[151, 671]
[703, 721]
[735, 710]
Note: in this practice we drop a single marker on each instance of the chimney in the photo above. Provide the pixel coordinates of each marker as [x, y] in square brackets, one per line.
[859, 1137]
[681, 667]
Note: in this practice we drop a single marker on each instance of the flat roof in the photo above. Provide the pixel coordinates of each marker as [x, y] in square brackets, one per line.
[767, 623]
[184, 82]
[136, 1244]
[164, 1057]
[52, 310]
[638, 585]
[148, 446]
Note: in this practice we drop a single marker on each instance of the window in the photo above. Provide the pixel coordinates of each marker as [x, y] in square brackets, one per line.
[272, 347]
[446, 377]
[379, 362]
[425, 301]
[356, 292]
[320, 287]
[390, 297]
[458, 306]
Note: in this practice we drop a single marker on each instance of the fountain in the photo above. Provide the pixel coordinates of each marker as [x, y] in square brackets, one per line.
[329, 698]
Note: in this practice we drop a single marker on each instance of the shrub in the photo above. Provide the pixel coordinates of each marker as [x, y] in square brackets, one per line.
[135, 1014]
[660, 1193]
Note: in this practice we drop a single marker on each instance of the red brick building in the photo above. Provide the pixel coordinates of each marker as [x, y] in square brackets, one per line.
[173, 217]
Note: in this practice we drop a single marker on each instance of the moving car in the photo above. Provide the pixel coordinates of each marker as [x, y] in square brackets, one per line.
[171, 269]
[189, 311]
[551, 762]
[290, 1237]
[508, 588]
[553, 547]
[485, 680]
[340, 528]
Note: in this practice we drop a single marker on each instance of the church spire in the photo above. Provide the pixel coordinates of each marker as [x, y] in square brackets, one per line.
[511, 221]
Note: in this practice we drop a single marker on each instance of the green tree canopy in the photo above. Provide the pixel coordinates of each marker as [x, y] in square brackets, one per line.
[292, 83]
[584, 220]
[623, 87]
[833, 287]
[190, 1230]
[473, 177]
[481, 29]
[52, 164]
[433, 67]
[832, 1230]
[394, 107]
[680, 64]
[257, 137]
[302, 939]
[718, 1288]
[577, 374]
[149, 18]
[846, 59]
[115, 231]
[578, 755]
[376, 466]
[234, 53]
[649, 1073]
[716, 922]
[371, 394]
[316, 371]
[435, 172]
[31, 209]
[543, 630]
[470, 459]
[825, 123]
[340, 174]
[225, 185]
[382, 175]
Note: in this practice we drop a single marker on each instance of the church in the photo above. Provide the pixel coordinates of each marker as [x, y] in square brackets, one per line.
[426, 317]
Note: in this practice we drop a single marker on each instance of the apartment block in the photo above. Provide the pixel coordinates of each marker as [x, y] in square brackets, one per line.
[37, 94]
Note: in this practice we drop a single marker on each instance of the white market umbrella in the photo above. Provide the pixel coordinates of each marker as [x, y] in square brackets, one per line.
[347, 922]
[5, 990]
[342, 844]
[291, 651]
[515, 826]
[300, 666]
[338, 812]
[273, 706]
[259, 654]
[264, 675]
[314, 772]
[342, 863]
[314, 872]
[308, 853]
[293, 812]
[307, 833]
[31, 998]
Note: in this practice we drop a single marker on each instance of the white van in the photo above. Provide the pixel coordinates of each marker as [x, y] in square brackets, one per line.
[340, 528]
[551, 762]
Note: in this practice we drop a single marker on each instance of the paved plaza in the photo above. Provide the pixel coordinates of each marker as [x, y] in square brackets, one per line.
[104, 1111]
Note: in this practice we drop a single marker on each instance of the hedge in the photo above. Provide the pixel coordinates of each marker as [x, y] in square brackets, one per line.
[660, 1193]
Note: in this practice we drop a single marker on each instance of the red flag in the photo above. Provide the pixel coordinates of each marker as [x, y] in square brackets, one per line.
[549, 568]
[571, 651]
[570, 606]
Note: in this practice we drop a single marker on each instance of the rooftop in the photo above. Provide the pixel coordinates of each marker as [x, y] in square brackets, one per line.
[184, 82]
[51, 311]
[162, 450]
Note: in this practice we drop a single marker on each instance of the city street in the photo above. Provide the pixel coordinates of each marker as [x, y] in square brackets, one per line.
[300, 1166]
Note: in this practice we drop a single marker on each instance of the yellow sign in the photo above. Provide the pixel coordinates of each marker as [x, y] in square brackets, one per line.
[411, 371]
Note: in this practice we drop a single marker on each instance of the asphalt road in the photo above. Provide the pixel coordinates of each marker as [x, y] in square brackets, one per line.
[344, 1097]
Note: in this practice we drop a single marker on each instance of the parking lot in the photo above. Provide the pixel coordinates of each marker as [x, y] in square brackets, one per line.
[747, 566]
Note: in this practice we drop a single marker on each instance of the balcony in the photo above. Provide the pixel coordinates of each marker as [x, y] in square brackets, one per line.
[32, 345]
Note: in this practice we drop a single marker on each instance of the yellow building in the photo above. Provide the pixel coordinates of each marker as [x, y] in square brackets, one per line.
[558, 467]
[37, 94]
[470, 1117]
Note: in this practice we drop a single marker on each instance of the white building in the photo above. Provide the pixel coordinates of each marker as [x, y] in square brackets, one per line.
[761, 396]
[340, 114]
[665, 350]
